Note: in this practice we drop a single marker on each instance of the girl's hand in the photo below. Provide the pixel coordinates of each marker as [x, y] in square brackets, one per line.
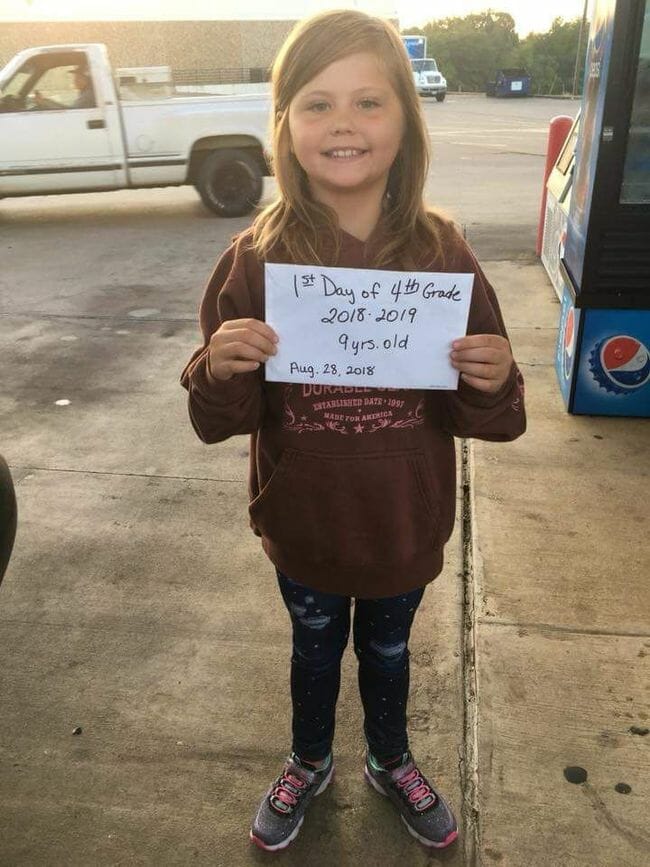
[239, 346]
[484, 360]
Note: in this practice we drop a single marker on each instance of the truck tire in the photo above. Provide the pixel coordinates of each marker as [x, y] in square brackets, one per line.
[441, 97]
[8, 516]
[230, 182]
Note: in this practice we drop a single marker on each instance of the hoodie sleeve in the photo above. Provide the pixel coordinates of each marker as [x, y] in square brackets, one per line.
[220, 409]
[468, 412]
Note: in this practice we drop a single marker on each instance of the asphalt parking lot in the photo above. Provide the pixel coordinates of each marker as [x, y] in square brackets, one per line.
[95, 254]
[100, 291]
[139, 608]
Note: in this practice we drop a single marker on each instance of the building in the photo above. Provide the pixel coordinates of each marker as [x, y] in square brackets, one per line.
[186, 46]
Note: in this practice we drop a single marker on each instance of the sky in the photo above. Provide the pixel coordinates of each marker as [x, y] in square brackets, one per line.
[528, 16]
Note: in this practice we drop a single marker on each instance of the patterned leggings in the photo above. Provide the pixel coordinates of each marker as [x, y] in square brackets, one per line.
[321, 626]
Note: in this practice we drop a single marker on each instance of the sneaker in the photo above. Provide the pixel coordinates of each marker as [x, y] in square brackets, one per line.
[282, 810]
[424, 811]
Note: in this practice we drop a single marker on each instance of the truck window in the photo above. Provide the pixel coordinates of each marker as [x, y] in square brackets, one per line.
[426, 65]
[12, 94]
[64, 87]
[14, 86]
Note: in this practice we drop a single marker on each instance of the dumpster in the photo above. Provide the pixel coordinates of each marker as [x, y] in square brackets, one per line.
[509, 82]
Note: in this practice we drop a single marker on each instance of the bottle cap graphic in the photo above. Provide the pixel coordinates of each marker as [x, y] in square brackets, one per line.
[620, 364]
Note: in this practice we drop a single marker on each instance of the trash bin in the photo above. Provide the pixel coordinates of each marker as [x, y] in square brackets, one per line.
[509, 82]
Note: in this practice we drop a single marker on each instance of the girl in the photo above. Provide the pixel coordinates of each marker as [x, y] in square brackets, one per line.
[352, 489]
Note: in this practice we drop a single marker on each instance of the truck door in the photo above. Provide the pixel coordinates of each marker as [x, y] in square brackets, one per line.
[54, 134]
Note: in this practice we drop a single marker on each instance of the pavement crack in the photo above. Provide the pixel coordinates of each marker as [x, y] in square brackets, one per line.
[522, 259]
[565, 630]
[121, 317]
[123, 474]
[469, 764]
[638, 841]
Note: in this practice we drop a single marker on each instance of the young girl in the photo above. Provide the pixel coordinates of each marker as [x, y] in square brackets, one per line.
[352, 489]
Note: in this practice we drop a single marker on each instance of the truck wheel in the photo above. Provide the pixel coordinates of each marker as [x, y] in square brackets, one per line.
[230, 182]
[441, 97]
[8, 516]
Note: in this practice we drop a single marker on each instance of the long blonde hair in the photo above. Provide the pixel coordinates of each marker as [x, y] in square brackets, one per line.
[307, 230]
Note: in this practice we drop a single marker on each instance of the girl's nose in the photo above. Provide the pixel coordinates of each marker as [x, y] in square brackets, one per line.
[342, 124]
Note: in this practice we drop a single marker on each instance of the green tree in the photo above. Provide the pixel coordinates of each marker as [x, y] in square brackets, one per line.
[469, 51]
[550, 57]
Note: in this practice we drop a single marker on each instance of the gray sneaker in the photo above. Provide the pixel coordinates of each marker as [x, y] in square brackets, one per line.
[282, 810]
[424, 811]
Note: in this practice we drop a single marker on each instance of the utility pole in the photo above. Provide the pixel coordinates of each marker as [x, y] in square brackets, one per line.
[579, 51]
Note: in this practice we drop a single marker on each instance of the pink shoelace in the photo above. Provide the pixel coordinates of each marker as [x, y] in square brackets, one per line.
[287, 792]
[419, 793]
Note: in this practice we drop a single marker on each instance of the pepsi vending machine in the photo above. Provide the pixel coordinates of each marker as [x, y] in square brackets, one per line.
[603, 358]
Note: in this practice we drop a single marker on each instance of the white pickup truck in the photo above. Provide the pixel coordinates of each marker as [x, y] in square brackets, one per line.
[65, 127]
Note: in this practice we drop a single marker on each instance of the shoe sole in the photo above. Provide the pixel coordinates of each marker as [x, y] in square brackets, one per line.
[283, 845]
[430, 844]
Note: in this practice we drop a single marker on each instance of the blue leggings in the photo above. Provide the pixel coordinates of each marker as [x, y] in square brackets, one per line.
[321, 625]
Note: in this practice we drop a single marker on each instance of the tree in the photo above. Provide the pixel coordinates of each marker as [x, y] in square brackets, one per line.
[469, 50]
[550, 57]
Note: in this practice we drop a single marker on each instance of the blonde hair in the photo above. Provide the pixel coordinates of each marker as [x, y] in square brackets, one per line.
[307, 230]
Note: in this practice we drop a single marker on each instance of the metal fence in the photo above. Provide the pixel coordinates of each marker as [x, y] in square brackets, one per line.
[197, 77]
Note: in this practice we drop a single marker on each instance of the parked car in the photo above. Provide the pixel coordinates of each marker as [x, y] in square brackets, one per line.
[509, 82]
[64, 128]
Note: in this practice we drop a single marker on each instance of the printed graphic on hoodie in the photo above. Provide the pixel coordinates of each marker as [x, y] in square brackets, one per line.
[349, 410]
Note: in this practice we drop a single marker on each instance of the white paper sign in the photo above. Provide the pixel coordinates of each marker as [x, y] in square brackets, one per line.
[361, 327]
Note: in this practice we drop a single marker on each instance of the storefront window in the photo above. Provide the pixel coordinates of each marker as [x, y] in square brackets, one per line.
[636, 180]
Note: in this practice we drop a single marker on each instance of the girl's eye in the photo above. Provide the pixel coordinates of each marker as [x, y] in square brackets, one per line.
[368, 103]
[318, 107]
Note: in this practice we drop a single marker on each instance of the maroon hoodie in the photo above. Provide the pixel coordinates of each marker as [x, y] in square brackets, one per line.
[352, 489]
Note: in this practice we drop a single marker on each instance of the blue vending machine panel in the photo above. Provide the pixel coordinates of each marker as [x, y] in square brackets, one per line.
[613, 373]
[567, 345]
[599, 51]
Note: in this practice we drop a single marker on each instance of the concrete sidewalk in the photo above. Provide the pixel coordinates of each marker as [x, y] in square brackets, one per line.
[560, 617]
[139, 607]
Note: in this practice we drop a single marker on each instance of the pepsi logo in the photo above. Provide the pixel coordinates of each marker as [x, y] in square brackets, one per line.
[568, 343]
[620, 364]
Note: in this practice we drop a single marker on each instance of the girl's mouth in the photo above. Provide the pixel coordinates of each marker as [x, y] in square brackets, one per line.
[344, 153]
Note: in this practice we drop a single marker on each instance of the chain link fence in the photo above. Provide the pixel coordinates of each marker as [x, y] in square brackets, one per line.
[203, 77]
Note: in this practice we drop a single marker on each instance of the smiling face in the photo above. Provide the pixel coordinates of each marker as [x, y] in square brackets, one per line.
[346, 126]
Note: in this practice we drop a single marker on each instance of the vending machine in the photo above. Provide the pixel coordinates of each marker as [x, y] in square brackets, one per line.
[603, 348]
[556, 210]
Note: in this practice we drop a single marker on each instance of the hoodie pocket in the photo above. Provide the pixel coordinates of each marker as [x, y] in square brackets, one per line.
[351, 509]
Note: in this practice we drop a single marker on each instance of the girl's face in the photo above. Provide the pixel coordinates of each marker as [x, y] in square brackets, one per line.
[346, 127]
